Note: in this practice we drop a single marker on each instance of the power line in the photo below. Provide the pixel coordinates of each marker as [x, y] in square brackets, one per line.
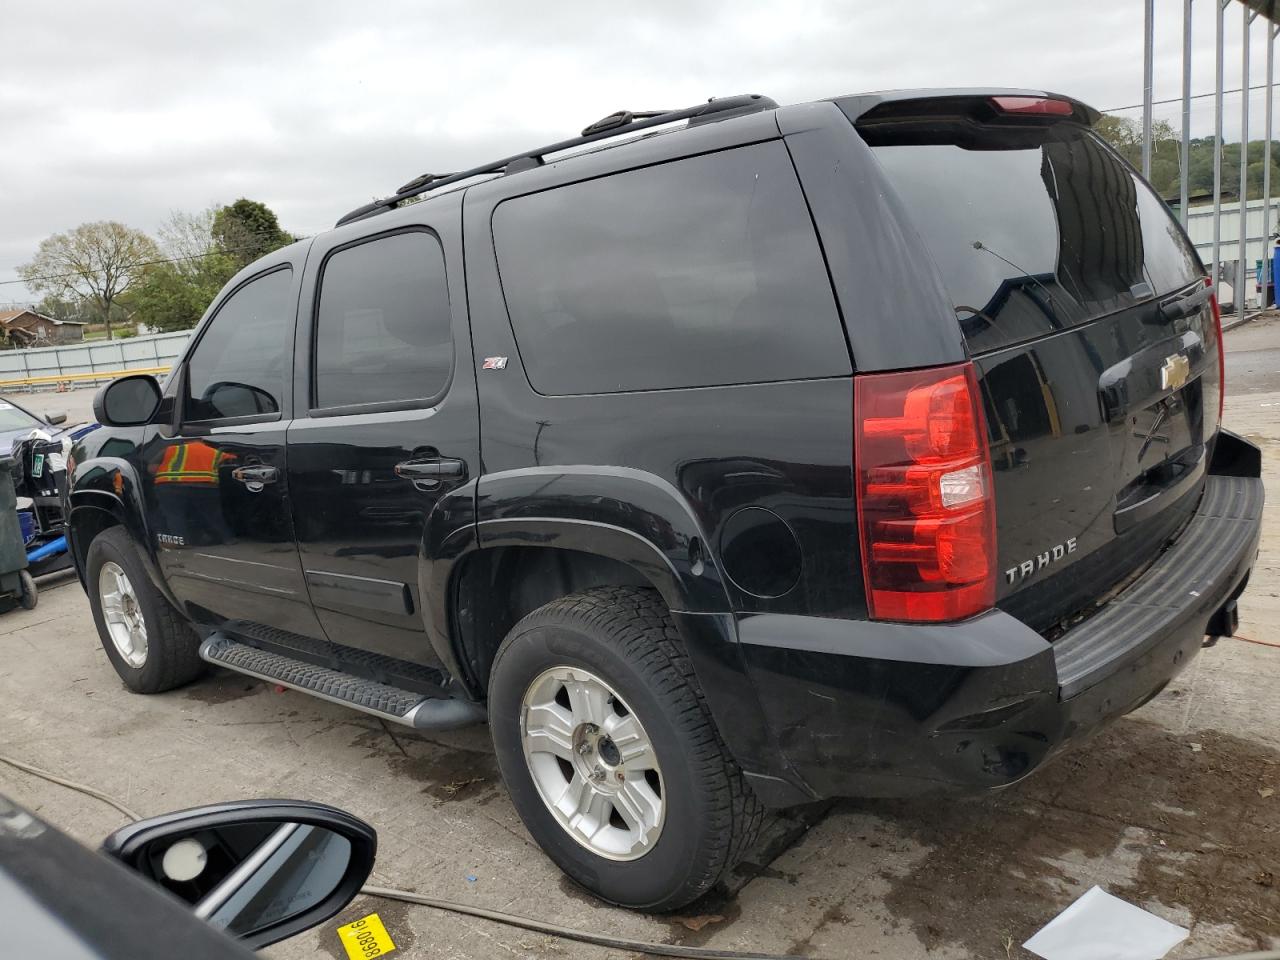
[140, 263]
[1198, 96]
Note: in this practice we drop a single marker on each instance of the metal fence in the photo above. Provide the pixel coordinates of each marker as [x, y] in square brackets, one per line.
[86, 363]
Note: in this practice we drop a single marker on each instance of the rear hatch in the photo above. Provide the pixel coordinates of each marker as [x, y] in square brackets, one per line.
[1086, 312]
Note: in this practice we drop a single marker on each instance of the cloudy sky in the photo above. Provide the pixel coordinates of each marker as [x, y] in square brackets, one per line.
[126, 111]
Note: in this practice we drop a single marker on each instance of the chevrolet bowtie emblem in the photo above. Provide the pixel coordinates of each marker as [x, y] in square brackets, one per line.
[1175, 371]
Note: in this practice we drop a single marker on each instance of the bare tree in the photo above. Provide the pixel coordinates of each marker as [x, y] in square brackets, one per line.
[188, 236]
[94, 263]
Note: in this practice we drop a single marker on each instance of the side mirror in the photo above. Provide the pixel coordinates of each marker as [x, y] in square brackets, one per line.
[228, 399]
[55, 417]
[260, 870]
[127, 402]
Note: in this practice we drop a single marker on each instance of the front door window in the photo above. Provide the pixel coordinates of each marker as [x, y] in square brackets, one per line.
[241, 365]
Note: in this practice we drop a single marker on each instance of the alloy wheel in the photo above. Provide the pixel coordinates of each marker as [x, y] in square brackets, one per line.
[593, 763]
[123, 614]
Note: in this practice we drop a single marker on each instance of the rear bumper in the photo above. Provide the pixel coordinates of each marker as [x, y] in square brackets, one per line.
[883, 709]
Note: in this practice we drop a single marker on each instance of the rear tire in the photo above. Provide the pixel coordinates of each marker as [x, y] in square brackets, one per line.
[152, 647]
[612, 655]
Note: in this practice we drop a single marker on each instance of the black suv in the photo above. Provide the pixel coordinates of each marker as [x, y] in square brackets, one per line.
[723, 459]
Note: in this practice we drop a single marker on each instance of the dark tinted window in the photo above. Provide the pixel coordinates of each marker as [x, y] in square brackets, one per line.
[383, 327]
[240, 366]
[698, 272]
[1035, 236]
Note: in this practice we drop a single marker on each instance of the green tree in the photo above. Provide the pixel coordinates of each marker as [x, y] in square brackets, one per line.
[63, 308]
[175, 294]
[1125, 135]
[1121, 132]
[94, 265]
[247, 230]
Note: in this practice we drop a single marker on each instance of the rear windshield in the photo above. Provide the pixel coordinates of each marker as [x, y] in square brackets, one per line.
[1032, 237]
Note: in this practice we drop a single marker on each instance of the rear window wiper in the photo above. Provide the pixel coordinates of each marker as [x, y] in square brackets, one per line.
[1185, 304]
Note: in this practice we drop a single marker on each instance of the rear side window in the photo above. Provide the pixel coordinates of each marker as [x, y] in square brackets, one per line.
[241, 365]
[383, 328]
[693, 273]
[1035, 234]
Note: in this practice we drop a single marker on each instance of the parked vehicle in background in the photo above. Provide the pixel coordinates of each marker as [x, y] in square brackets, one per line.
[17, 423]
[869, 446]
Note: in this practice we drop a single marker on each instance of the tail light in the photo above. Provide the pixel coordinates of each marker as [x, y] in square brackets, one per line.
[925, 507]
[1222, 350]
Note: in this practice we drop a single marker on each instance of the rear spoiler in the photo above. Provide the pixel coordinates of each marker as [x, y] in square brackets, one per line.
[982, 106]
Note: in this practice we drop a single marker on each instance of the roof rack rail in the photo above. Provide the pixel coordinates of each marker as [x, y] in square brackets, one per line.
[616, 124]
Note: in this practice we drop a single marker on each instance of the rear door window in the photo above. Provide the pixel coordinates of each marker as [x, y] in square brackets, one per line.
[1032, 237]
[383, 325]
[698, 272]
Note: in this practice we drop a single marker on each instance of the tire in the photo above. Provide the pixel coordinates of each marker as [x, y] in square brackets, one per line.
[624, 639]
[170, 655]
[30, 593]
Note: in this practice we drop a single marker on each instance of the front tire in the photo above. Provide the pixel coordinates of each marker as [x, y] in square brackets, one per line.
[150, 644]
[610, 753]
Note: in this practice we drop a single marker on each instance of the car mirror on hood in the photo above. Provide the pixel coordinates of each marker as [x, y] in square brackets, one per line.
[260, 870]
[127, 402]
[55, 417]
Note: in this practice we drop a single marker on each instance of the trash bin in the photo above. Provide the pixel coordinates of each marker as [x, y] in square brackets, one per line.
[16, 585]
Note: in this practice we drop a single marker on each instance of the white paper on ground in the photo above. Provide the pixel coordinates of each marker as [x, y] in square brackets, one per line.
[1099, 926]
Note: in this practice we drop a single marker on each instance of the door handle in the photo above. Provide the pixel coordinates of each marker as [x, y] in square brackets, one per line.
[428, 472]
[256, 475]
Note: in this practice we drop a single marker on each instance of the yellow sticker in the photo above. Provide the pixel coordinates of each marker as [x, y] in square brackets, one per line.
[366, 938]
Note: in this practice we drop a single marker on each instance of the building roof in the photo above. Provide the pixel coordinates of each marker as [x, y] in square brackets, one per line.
[1268, 8]
[8, 315]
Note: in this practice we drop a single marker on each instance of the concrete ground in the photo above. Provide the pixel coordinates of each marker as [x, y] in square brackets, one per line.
[1176, 808]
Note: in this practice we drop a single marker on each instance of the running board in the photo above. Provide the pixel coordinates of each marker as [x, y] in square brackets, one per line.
[379, 699]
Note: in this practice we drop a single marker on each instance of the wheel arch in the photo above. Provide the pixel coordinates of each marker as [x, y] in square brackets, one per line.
[105, 492]
[493, 588]
[544, 532]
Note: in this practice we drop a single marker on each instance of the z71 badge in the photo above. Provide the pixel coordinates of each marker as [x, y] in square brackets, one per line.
[1027, 567]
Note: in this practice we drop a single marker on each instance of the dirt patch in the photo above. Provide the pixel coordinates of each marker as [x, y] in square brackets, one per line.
[223, 687]
[447, 773]
[580, 894]
[719, 907]
[751, 871]
[1182, 821]
[834, 914]
[691, 927]
[711, 913]
[393, 913]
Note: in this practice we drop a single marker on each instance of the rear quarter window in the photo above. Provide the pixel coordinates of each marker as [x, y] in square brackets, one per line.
[1032, 237]
[699, 272]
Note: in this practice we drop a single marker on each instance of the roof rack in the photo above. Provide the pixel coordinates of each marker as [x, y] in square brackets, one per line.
[615, 124]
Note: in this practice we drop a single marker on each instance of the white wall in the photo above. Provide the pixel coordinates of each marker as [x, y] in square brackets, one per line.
[133, 353]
